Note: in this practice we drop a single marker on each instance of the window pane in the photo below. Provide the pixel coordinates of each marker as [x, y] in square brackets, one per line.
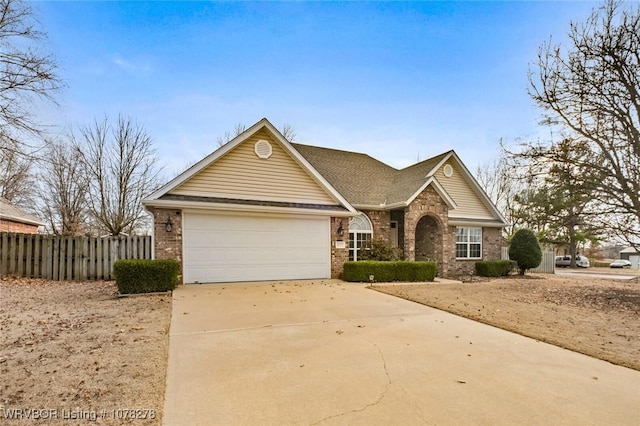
[475, 235]
[474, 250]
[461, 250]
[461, 235]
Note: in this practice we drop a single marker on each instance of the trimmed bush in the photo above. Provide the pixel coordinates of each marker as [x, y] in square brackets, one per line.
[379, 249]
[145, 275]
[389, 271]
[494, 268]
[525, 250]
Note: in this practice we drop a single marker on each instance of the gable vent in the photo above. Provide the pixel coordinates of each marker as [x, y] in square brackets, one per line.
[263, 149]
[448, 170]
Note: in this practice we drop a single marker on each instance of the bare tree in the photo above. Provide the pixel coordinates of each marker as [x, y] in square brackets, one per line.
[288, 132]
[228, 136]
[502, 180]
[592, 90]
[63, 189]
[16, 180]
[121, 165]
[26, 73]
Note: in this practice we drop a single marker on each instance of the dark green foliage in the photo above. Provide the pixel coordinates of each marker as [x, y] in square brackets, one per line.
[389, 271]
[494, 268]
[379, 249]
[145, 276]
[525, 250]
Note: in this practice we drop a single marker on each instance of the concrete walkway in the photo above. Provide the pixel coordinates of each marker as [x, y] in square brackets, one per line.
[333, 353]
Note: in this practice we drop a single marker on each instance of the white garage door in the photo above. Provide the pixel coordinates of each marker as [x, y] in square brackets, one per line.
[226, 247]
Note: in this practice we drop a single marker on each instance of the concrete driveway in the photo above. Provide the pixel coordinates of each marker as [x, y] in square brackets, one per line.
[333, 353]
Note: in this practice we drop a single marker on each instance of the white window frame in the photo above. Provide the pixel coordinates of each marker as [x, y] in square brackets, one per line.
[472, 237]
[360, 231]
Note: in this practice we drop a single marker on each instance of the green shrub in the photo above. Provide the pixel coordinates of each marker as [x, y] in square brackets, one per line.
[525, 250]
[379, 249]
[145, 275]
[494, 268]
[389, 271]
[361, 270]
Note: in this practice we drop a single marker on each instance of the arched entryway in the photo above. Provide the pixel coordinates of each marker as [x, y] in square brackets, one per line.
[429, 239]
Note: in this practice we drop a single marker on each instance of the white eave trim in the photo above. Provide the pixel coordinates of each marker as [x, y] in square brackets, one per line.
[441, 163]
[439, 189]
[22, 220]
[381, 207]
[481, 223]
[203, 205]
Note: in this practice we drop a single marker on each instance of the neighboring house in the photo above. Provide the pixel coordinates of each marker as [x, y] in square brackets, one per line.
[628, 252]
[14, 219]
[262, 208]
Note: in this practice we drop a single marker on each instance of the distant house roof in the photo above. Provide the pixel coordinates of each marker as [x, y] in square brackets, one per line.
[14, 213]
[629, 250]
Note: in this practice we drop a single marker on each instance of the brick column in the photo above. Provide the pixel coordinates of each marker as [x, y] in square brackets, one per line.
[339, 255]
[167, 244]
[428, 203]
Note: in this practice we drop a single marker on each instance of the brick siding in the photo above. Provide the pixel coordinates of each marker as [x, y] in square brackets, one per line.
[17, 227]
[167, 245]
[381, 223]
[339, 255]
[430, 206]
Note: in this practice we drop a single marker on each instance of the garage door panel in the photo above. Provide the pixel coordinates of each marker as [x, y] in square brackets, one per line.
[236, 247]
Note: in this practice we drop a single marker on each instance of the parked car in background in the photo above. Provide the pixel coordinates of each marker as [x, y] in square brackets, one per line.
[565, 261]
[620, 263]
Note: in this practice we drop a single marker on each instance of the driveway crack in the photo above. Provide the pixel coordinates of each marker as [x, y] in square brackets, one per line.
[372, 404]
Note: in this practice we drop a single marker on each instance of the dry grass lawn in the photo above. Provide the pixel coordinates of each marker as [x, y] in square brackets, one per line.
[77, 349]
[594, 316]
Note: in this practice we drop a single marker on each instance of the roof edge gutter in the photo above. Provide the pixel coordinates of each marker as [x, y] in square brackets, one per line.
[243, 207]
[401, 204]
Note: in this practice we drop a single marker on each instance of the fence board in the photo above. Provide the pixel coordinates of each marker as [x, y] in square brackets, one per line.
[4, 252]
[67, 258]
[547, 266]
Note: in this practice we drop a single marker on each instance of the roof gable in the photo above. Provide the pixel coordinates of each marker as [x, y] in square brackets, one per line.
[259, 165]
[368, 183]
[472, 201]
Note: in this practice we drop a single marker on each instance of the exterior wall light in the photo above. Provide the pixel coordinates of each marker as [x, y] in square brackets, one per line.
[168, 225]
[340, 229]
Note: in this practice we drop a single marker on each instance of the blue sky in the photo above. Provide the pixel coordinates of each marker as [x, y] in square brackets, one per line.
[399, 81]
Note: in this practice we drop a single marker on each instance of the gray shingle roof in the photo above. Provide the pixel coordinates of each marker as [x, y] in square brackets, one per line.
[363, 180]
[16, 214]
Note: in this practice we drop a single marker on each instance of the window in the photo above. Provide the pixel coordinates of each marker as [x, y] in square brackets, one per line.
[469, 243]
[360, 232]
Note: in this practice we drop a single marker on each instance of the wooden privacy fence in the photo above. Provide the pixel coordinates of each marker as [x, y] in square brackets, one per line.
[67, 258]
[547, 266]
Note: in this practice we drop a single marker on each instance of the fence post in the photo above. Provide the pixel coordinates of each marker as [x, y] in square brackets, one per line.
[4, 254]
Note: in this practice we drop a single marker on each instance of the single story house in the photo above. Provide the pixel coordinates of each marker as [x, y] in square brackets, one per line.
[263, 208]
[14, 219]
[632, 255]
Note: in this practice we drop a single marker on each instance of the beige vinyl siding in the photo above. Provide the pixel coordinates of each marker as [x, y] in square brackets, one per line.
[240, 174]
[469, 204]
